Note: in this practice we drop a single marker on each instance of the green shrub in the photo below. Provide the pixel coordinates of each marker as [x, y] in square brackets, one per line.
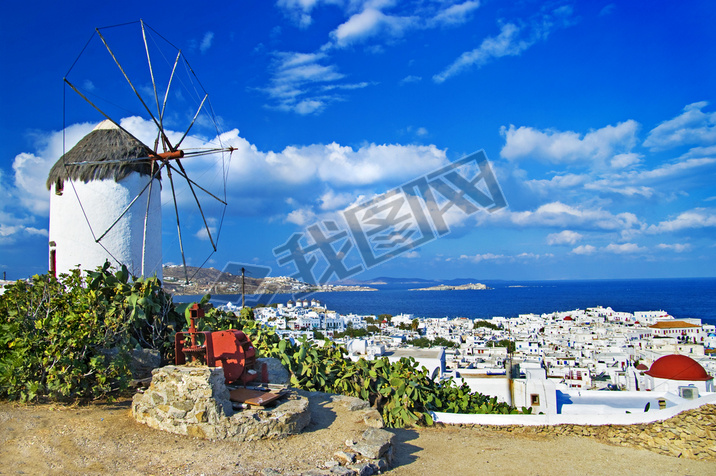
[424, 342]
[69, 338]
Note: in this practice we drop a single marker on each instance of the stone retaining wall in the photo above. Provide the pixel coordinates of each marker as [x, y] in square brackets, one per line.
[690, 434]
[194, 401]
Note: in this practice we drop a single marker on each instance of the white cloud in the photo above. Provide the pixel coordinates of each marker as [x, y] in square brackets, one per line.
[203, 234]
[206, 42]
[299, 82]
[607, 10]
[558, 214]
[655, 182]
[308, 106]
[558, 182]
[482, 257]
[692, 127]
[507, 43]
[596, 148]
[30, 170]
[334, 201]
[624, 248]
[373, 163]
[692, 219]
[369, 23]
[525, 256]
[511, 41]
[411, 79]
[622, 161]
[676, 247]
[301, 217]
[584, 250]
[456, 14]
[299, 10]
[605, 186]
[10, 234]
[372, 23]
[533, 256]
[566, 237]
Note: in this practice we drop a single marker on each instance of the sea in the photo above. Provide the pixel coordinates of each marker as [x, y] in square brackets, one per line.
[682, 298]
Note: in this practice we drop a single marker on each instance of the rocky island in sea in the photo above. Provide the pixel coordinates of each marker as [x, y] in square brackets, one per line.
[462, 287]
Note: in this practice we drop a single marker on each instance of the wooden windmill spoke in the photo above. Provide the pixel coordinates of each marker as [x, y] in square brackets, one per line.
[146, 223]
[193, 120]
[198, 204]
[171, 79]
[151, 72]
[113, 161]
[183, 173]
[176, 213]
[139, 96]
[101, 111]
[126, 209]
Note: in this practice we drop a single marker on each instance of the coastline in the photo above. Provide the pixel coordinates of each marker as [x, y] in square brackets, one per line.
[682, 298]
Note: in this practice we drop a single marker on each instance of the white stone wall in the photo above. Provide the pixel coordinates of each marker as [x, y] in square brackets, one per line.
[102, 202]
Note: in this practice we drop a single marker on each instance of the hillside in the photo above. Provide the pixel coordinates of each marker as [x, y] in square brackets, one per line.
[212, 281]
[206, 280]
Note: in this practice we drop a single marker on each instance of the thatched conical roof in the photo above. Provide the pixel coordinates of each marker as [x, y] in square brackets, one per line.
[109, 151]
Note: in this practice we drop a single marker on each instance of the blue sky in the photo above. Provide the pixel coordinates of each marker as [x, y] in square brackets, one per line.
[599, 119]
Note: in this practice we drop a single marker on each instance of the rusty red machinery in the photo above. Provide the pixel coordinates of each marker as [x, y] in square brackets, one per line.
[231, 350]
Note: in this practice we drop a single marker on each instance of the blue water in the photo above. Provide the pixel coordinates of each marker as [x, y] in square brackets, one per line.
[682, 298]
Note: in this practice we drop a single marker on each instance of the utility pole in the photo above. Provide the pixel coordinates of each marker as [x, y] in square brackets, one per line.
[243, 288]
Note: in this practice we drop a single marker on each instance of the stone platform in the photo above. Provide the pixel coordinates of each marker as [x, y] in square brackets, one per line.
[194, 401]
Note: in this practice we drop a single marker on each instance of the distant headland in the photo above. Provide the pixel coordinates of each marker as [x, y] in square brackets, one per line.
[462, 287]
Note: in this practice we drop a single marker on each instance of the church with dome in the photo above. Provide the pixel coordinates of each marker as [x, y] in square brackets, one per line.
[672, 372]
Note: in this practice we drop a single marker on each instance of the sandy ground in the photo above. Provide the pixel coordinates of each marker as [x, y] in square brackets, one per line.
[105, 439]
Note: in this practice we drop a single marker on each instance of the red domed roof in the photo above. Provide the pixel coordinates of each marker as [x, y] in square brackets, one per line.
[568, 318]
[678, 367]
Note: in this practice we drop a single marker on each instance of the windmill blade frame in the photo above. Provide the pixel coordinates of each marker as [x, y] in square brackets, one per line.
[180, 83]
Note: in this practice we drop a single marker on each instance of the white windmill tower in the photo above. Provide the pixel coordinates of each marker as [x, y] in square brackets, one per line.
[106, 191]
[92, 196]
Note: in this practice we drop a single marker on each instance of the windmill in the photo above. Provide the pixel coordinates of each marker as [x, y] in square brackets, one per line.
[105, 201]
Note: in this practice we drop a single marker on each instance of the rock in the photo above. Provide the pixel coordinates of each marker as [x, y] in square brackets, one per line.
[143, 361]
[374, 443]
[343, 471]
[277, 373]
[383, 464]
[270, 472]
[345, 457]
[363, 469]
[373, 418]
[352, 403]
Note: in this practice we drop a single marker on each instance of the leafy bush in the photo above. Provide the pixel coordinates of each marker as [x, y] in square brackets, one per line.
[482, 323]
[69, 337]
[437, 342]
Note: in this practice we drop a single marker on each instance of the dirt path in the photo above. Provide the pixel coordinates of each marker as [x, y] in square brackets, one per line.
[104, 439]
